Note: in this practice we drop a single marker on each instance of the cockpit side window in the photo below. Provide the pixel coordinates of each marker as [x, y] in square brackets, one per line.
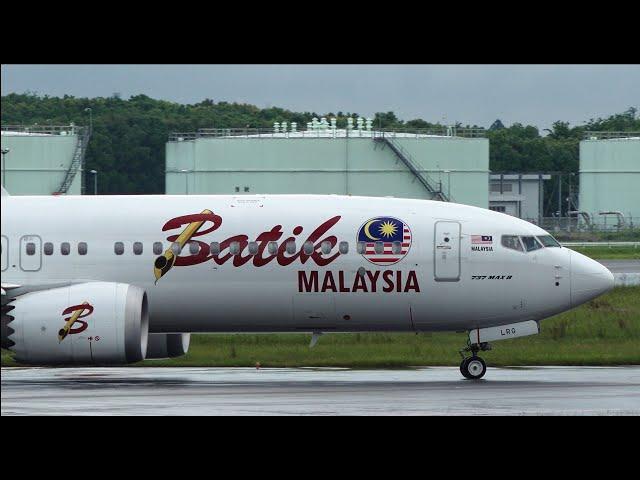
[530, 243]
[512, 242]
[548, 241]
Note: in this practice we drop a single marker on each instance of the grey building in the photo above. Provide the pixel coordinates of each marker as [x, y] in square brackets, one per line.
[520, 195]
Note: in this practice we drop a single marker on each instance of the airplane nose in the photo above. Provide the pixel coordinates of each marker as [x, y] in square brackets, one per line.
[589, 279]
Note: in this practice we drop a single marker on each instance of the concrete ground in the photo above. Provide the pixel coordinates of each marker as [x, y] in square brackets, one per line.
[242, 391]
[622, 266]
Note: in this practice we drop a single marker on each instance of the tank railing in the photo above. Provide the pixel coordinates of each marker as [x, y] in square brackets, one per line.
[609, 135]
[434, 188]
[444, 131]
[44, 129]
[77, 161]
[326, 133]
[183, 137]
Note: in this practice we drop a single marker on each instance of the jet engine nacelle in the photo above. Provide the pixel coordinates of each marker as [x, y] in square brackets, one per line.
[88, 324]
[168, 345]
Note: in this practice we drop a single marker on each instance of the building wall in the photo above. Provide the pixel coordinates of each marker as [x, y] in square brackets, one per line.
[529, 199]
[356, 166]
[610, 176]
[37, 165]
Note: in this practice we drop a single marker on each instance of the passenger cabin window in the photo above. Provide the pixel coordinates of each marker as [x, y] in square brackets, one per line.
[253, 248]
[291, 247]
[512, 242]
[118, 248]
[48, 248]
[157, 248]
[82, 248]
[176, 249]
[31, 249]
[194, 248]
[326, 248]
[361, 247]
[308, 248]
[397, 248]
[138, 248]
[272, 248]
[531, 244]
[343, 248]
[549, 242]
[379, 248]
[214, 248]
[234, 248]
[65, 248]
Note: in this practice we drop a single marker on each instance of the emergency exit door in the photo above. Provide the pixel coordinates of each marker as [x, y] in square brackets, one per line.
[447, 252]
[30, 253]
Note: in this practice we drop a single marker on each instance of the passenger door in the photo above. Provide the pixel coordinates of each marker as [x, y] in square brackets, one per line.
[447, 252]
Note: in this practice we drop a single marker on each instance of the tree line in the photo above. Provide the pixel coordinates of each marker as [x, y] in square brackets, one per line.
[129, 135]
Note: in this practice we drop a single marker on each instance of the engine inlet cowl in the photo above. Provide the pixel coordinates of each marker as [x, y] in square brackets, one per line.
[96, 323]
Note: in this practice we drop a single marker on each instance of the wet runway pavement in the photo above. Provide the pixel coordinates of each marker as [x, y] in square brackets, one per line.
[622, 266]
[242, 391]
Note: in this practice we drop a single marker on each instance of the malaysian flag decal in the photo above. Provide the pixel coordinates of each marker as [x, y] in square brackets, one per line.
[384, 240]
[481, 240]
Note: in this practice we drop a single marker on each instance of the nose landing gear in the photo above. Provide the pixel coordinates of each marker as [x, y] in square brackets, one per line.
[473, 367]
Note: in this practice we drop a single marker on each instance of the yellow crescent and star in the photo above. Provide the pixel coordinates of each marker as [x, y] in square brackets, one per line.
[386, 229]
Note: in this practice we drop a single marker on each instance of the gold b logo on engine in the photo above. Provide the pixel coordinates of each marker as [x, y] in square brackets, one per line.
[78, 311]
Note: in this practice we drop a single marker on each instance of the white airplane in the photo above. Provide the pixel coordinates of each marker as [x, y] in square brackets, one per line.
[112, 280]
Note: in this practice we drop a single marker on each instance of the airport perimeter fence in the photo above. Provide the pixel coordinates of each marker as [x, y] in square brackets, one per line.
[610, 244]
[597, 224]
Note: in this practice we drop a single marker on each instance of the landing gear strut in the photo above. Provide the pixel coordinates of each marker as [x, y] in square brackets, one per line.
[473, 367]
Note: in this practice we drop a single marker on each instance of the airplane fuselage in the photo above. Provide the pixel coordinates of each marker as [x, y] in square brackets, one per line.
[297, 263]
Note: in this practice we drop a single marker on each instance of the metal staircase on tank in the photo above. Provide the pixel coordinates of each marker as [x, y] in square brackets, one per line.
[84, 134]
[403, 155]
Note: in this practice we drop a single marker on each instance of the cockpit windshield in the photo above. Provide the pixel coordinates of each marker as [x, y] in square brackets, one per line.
[529, 243]
[512, 242]
[549, 241]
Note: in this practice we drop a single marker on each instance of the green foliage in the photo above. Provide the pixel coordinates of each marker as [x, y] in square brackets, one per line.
[128, 144]
[628, 121]
[520, 148]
